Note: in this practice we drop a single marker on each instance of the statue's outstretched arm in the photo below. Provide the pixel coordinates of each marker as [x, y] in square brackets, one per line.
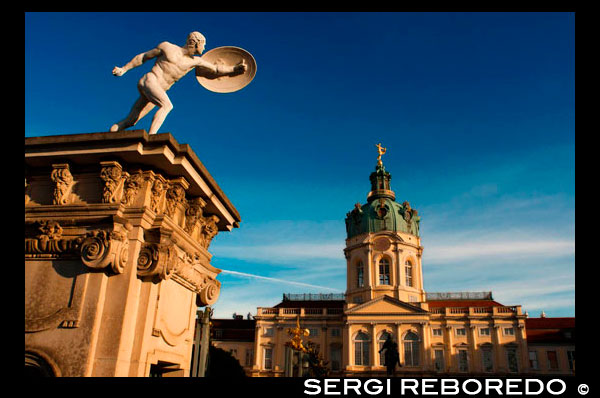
[136, 61]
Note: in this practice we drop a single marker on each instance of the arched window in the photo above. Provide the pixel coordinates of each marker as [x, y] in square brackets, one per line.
[384, 272]
[360, 274]
[408, 270]
[411, 349]
[382, 339]
[361, 349]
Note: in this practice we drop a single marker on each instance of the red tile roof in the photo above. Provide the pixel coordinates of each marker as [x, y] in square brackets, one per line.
[550, 330]
[549, 323]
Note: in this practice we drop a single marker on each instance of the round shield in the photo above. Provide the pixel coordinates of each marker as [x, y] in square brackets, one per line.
[226, 56]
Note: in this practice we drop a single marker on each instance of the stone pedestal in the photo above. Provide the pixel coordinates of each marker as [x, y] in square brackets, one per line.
[117, 231]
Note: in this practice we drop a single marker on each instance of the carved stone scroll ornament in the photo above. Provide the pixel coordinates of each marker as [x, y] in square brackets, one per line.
[63, 180]
[101, 249]
[113, 177]
[209, 293]
[156, 260]
[193, 213]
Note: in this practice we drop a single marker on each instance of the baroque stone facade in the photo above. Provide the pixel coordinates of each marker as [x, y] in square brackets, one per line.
[117, 232]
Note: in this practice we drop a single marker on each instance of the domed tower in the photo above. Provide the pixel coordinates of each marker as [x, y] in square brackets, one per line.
[383, 248]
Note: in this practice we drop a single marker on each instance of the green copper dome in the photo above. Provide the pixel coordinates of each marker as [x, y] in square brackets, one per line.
[381, 212]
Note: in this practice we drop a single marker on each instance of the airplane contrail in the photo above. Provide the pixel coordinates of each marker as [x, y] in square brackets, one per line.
[278, 280]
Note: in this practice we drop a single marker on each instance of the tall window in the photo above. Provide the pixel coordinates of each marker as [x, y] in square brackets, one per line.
[511, 358]
[268, 357]
[571, 359]
[249, 356]
[533, 360]
[384, 272]
[361, 349]
[463, 362]
[336, 357]
[439, 359]
[408, 270]
[487, 361]
[381, 341]
[552, 360]
[411, 349]
[360, 275]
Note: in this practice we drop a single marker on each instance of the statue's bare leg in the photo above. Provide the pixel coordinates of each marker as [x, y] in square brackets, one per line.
[158, 96]
[139, 109]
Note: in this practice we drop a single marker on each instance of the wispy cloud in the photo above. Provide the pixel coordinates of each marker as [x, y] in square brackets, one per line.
[279, 281]
[470, 250]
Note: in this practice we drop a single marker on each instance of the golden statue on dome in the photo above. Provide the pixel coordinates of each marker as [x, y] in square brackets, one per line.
[381, 150]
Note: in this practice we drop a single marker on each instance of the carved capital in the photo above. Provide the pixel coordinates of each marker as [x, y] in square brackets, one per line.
[156, 260]
[113, 176]
[193, 213]
[63, 180]
[101, 249]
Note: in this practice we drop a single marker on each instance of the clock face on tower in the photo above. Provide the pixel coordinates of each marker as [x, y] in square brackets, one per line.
[381, 244]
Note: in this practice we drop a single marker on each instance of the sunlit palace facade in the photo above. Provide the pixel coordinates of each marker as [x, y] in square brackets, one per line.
[437, 333]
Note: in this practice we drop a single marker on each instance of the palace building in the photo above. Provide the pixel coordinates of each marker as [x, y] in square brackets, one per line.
[436, 333]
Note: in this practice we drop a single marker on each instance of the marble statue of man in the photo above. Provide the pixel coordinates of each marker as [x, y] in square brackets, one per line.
[172, 63]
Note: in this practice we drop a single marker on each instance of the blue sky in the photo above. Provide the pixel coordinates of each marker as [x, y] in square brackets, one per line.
[476, 110]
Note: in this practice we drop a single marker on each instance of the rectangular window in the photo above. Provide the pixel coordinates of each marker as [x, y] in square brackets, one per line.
[463, 362]
[533, 360]
[313, 332]
[361, 353]
[249, 356]
[571, 358]
[511, 358]
[360, 276]
[437, 332]
[336, 358]
[438, 360]
[384, 272]
[486, 360]
[411, 353]
[268, 360]
[484, 331]
[335, 332]
[233, 352]
[552, 360]
[509, 331]
[461, 331]
[269, 331]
